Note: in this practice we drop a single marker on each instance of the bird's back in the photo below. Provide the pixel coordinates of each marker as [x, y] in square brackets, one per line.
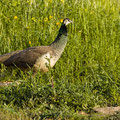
[28, 57]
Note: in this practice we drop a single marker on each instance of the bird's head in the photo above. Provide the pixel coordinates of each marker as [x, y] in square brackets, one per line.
[66, 21]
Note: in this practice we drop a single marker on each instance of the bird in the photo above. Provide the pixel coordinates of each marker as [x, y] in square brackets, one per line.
[39, 57]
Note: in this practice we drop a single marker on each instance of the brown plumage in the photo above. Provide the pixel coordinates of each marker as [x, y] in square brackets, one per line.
[41, 56]
[29, 58]
[7, 55]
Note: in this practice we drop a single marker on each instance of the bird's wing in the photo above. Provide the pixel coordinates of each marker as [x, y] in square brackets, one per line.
[27, 57]
[4, 57]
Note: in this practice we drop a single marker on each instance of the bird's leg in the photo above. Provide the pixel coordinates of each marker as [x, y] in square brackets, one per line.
[52, 82]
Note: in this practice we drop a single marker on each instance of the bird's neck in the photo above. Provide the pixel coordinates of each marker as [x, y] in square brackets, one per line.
[60, 42]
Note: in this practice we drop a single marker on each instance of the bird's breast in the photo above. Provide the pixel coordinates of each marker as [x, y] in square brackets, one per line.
[42, 63]
[45, 61]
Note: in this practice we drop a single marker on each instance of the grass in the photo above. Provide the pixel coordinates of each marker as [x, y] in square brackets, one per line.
[88, 72]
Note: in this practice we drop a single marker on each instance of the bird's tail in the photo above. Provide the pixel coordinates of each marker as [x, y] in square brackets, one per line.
[4, 57]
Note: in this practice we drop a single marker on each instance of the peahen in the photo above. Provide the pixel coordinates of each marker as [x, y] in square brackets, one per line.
[38, 57]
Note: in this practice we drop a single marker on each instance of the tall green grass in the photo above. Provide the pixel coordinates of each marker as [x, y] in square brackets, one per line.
[88, 72]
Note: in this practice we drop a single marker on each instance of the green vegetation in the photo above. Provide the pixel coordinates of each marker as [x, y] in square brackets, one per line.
[88, 72]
